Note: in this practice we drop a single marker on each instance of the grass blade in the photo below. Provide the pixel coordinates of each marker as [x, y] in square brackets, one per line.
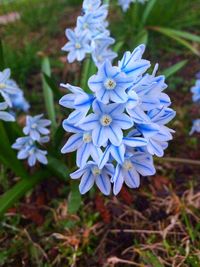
[183, 34]
[147, 11]
[74, 200]
[8, 156]
[178, 39]
[141, 38]
[2, 62]
[175, 68]
[9, 198]
[58, 168]
[48, 94]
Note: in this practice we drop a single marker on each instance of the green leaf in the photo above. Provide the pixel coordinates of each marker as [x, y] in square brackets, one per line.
[117, 47]
[9, 198]
[180, 40]
[58, 168]
[86, 74]
[147, 11]
[8, 156]
[151, 259]
[2, 62]
[52, 84]
[48, 94]
[183, 34]
[141, 38]
[175, 68]
[74, 200]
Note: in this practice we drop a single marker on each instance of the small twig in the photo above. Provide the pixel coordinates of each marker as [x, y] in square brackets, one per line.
[180, 160]
[142, 231]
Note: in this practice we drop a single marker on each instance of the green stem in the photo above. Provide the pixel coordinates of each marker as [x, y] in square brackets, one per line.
[84, 78]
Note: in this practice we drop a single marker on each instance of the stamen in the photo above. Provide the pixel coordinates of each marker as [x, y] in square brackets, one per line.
[2, 85]
[106, 120]
[87, 138]
[78, 45]
[34, 126]
[110, 84]
[127, 165]
[85, 26]
[96, 171]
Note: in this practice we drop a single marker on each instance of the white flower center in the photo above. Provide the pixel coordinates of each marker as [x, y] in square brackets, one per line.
[96, 171]
[78, 45]
[106, 120]
[127, 165]
[110, 84]
[87, 138]
[85, 25]
[90, 7]
[34, 126]
[99, 58]
[31, 152]
[2, 85]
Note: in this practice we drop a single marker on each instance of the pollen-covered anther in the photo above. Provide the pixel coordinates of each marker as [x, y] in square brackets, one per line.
[87, 138]
[106, 120]
[78, 45]
[127, 165]
[110, 84]
[96, 171]
[2, 85]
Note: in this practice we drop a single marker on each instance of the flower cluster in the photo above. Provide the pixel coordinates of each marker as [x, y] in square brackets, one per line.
[195, 90]
[90, 34]
[6, 90]
[126, 3]
[36, 133]
[120, 125]
[12, 96]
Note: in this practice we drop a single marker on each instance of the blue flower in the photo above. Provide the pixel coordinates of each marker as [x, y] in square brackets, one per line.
[78, 45]
[110, 84]
[5, 88]
[195, 126]
[91, 174]
[106, 123]
[158, 142]
[82, 142]
[36, 126]
[122, 123]
[4, 115]
[196, 92]
[78, 100]
[91, 5]
[101, 49]
[125, 4]
[118, 152]
[132, 63]
[88, 24]
[17, 99]
[129, 172]
[28, 150]
[90, 34]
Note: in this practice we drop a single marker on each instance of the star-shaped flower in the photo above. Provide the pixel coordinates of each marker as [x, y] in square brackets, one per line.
[110, 84]
[91, 174]
[106, 123]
